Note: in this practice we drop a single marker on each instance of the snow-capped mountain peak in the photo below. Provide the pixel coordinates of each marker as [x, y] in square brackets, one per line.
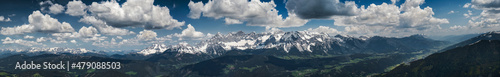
[53, 50]
[155, 48]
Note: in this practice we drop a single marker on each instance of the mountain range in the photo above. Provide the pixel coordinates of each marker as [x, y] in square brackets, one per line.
[300, 42]
[285, 42]
[296, 53]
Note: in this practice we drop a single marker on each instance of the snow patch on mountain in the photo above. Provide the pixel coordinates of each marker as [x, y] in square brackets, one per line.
[240, 43]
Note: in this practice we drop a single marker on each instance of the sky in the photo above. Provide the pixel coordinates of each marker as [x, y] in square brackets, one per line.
[137, 24]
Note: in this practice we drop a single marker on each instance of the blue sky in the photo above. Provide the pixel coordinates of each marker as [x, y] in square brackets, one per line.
[130, 24]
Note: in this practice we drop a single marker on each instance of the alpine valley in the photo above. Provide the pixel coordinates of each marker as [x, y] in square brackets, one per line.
[280, 54]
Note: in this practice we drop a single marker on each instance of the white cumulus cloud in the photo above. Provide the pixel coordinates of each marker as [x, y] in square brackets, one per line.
[52, 8]
[147, 35]
[484, 4]
[85, 33]
[104, 28]
[73, 41]
[56, 9]
[52, 40]
[8, 40]
[254, 13]
[451, 12]
[391, 20]
[232, 21]
[4, 19]
[88, 32]
[189, 32]
[324, 29]
[16, 30]
[467, 5]
[76, 8]
[134, 13]
[29, 37]
[489, 17]
[45, 23]
[39, 22]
